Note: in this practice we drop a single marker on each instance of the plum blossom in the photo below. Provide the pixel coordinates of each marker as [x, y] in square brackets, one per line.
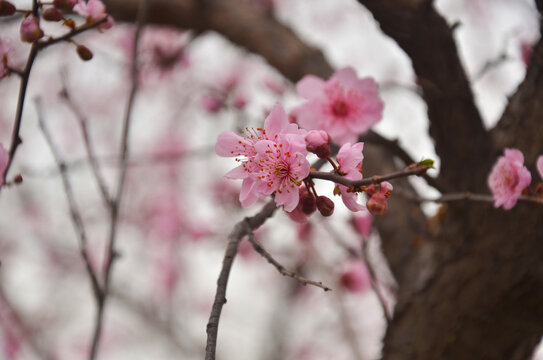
[30, 30]
[272, 160]
[93, 11]
[363, 223]
[349, 159]
[318, 142]
[344, 106]
[508, 178]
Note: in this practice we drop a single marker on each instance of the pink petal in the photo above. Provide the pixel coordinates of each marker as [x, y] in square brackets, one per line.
[346, 77]
[248, 196]
[540, 166]
[310, 87]
[276, 121]
[349, 199]
[238, 172]
[228, 144]
[289, 199]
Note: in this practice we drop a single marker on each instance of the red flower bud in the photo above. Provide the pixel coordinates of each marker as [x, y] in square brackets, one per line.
[377, 204]
[30, 30]
[308, 202]
[84, 53]
[52, 14]
[66, 5]
[325, 206]
[6, 8]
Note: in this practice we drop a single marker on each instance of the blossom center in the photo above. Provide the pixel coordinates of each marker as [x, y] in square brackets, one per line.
[340, 108]
[282, 169]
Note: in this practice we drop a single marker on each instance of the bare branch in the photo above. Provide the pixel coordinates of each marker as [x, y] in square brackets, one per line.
[266, 255]
[244, 227]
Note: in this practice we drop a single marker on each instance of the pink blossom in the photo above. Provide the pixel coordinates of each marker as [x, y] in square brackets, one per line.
[4, 160]
[344, 106]
[363, 223]
[164, 215]
[5, 53]
[508, 178]
[355, 277]
[30, 30]
[349, 159]
[540, 166]
[378, 195]
[93, 11]
[211, 103]
[272, 160]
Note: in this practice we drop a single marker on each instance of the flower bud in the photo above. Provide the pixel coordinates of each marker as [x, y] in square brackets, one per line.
[318, 142]
[52, 14]
[377, 204]
[84, 53]
[307, 201]
[325, 205]
[66, 5]
[240, 102]
[6, 8]
[30, 30]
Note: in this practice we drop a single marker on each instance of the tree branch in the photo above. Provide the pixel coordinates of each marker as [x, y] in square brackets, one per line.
[244, 227]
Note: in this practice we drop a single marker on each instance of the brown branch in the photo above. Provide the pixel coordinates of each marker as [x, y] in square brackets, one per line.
[428, 40]
[91, 155]
[111, 253]
[377, 179]
[75, 213]
[266, 255]
[241, 229]
[394, 147]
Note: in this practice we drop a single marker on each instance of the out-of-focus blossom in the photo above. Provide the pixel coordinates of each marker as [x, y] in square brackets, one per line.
[355, 277]
[164, 215]
[344, 106]
[349, 159]
[211, 103]
[363, 222]
[30, 30]
[93, 11]
[273, 160]
[275, 86]
[508, 178]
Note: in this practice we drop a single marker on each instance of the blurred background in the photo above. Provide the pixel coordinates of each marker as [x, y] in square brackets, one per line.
[178, 209]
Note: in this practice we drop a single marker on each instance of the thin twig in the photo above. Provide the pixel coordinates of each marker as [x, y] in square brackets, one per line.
[111, 253]
[91, 155]
[368, 181]
[393, 146]
[374, 281]
[244, 227]
[25, 77]
[75, 214]
[266, 255]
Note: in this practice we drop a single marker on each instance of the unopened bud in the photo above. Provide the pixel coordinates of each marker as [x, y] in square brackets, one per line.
[7, 8]
[30, 30]
[377, 204]
[18, 179]
[66, 5]
[308, 202]
[84, 53]
[325, 206]
[52, 14]
[318, 142]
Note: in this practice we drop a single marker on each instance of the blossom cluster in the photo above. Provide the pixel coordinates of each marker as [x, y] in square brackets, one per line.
[509, 178]
[273, 160]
